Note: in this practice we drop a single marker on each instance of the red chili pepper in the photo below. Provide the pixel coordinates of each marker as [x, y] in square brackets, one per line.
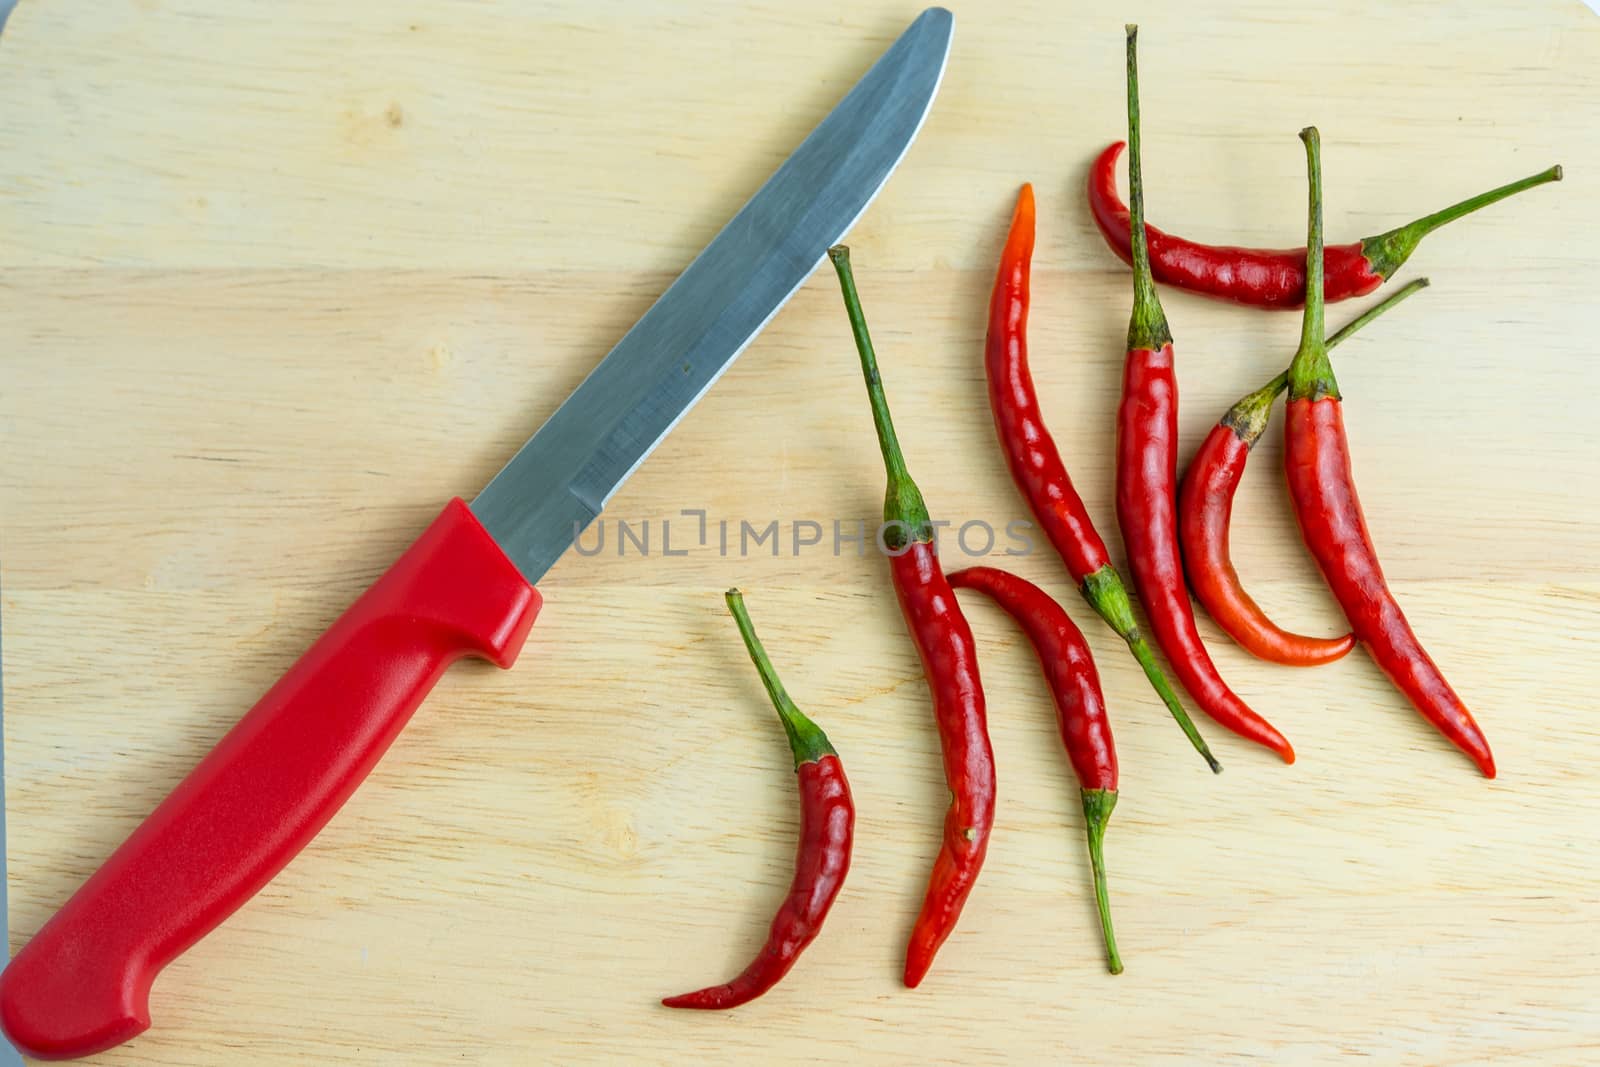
[1267, 277]
[1317, 462]
[1147, 475]
[949, 660]
[1036, 464]
[827, 825]
[1080, 710]
[1205, 507]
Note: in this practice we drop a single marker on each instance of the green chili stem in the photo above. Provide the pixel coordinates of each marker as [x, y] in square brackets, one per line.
[806, 739]
[1152, 670]
[1097, 806]
[1249, 417]
[1109, 597]
[1355, 325]
[1310, 374]
[1388, 251]
[1147, 328]
[1312, 328]
[902, 503]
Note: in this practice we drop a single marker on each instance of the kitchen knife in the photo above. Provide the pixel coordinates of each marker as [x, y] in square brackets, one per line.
[465, 588]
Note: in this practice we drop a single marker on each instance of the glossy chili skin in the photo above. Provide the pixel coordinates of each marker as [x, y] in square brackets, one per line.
[1205, 509]
[822, 860]
[827, 826]
[1080, 711]
[1317, 462]
[950, 663]
[1068, 667]
[1259, 277]
[1036, 464]
[1029, 448]
[1323, 491]
[1147, 475]
[1271, 277]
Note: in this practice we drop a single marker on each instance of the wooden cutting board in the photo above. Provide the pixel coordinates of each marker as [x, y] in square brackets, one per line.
[277, 280]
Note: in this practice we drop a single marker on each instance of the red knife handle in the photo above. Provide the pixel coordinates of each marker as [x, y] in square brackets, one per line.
[83, 983]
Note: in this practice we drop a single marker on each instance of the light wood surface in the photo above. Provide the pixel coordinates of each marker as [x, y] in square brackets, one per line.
[276, 280]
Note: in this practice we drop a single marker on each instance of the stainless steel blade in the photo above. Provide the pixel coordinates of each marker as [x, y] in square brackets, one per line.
[558, 482]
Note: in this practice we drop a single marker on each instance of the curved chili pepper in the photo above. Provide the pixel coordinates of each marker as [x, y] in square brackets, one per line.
[1036, 464]
[1317, 462]
[1205, 508]
[827, 827]
[1080, 710]
[1268, 277]
[1147, 475]
[949, 660]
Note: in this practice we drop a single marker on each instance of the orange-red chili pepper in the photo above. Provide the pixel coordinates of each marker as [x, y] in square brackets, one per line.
[1147, 475]
[1317, 462]
[949, 660]
[1036, 464]
[1268, 277]
[1205, 507]
[1080, 711]
[827, 828]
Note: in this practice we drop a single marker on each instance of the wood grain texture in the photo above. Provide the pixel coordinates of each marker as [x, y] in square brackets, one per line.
[276, 281]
